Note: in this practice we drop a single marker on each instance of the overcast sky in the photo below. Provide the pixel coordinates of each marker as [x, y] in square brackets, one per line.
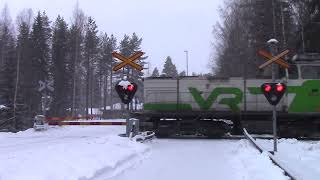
[168, 27]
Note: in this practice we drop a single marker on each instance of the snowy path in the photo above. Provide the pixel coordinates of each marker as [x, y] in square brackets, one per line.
[203, 159]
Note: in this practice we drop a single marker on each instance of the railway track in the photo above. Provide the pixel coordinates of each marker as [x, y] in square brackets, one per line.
[278, 163]
[239, 137]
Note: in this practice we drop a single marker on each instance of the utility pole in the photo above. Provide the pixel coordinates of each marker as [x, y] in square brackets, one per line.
[16, 91]
[149, 68]
[187, 59]
[273, 46]
[273, 18]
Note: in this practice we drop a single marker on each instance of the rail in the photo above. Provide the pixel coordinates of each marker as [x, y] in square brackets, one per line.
[273, 159]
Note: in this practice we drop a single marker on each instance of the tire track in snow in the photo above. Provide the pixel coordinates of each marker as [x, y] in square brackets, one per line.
[120, 167]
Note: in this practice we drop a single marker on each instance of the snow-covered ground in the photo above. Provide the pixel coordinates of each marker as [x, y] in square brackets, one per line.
[205, 160]
[67, 153]
[302, 157]
[98, 153]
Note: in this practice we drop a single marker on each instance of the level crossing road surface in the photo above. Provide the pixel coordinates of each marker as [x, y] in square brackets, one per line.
[201, 160]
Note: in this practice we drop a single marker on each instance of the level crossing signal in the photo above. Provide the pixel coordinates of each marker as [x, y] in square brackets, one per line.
[126, 90]
[273, 92]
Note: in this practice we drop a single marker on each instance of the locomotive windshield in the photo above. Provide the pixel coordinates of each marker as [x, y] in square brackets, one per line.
[310, 72]
[293, 72]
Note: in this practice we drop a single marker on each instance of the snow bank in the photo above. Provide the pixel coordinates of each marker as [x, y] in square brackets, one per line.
[67, 153]
[117, 106]
[303, 157]
[3, 107]
[251, 164]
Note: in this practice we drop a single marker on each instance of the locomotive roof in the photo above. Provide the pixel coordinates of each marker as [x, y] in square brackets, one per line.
[195, 77]
[307, 57]
[166, 77]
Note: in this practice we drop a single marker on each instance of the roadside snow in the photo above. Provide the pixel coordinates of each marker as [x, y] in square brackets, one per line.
[303, 157]
[67, 153]
[3, 106]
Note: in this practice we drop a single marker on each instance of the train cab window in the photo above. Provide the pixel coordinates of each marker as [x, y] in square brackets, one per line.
[282, 73]
[293, 72]
[310, 72]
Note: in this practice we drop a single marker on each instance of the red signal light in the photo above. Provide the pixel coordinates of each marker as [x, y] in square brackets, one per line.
[279, 87]
[267, 88]
[130, 87]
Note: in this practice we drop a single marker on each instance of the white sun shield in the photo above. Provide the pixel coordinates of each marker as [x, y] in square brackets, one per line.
[124, 84]
[3, 107]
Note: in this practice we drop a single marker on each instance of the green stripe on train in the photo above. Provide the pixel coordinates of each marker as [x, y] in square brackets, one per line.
[166, 106]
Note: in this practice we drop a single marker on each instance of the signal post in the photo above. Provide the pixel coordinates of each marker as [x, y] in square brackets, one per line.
[126, 89]
[273, 91]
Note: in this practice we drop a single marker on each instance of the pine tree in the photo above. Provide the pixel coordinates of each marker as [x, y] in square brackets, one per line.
[76, 63]
[7, 73]
[107, 46]
[182, 73]
[137, 76]
[6, 33]
[41, 58]
[90, 50]
[169, 69]
[24, 71]
[135, 45]
[126, 51]
[247, 26]
[308, 15]
[59, 58]
[7, 88]
[128, 46]
[155, 72]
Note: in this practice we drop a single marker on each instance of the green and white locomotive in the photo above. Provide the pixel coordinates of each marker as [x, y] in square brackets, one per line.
[215, 106]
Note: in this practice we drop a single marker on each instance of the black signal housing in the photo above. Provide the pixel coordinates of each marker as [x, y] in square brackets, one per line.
[126, 94]
[275, 93]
